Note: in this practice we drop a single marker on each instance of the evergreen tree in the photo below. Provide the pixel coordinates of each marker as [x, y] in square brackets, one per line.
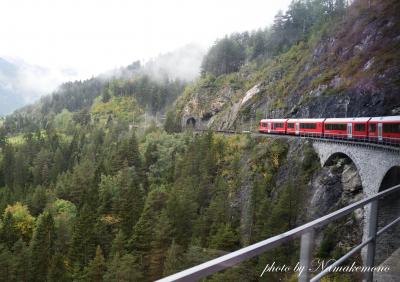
[8, 165]
[173, 259]
[83, 245]
[143, 230]
[20, 261]
[123, 269]
[8, 233]
[97, 267]
[5, 264]
[57, 270]
[42, 247]
[159, 246]
[39, 201]
[118, 244]
[129, 204]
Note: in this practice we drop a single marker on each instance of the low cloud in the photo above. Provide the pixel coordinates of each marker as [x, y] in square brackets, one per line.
[22, 83]
[183, 63]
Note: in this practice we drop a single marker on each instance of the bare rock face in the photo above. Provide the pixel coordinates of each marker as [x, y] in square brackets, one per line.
[333, 187]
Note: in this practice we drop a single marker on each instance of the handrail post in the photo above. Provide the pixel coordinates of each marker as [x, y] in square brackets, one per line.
[371, 247]
[306, 248]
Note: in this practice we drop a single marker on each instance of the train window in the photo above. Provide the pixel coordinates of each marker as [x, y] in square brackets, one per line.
[278, 125]
[391, 127]
[336, 126]
[308, 125]
[290, 125]
[359, 127]
[372, 127]
[264, 124]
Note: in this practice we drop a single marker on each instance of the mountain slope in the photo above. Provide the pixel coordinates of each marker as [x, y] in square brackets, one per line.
[347, 65]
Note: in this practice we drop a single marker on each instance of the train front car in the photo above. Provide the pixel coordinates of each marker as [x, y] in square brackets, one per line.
[385, 129]
[277, 126]
[312, 127]
[346, 128]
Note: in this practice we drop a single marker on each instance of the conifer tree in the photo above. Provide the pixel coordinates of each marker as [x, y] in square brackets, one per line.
[173, 259]
[118, 244]
[8, 233]
[123, 269]
[20, 261]
[5, 264]
[97, 267]
[129, 203]
[42, 247]
[159, 246]
[57, 270]
[83, 237]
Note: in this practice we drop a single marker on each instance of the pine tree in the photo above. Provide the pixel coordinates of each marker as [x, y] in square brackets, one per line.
[143, 230]
[129, 203]
[39, 201]
[83, 237]
[97, 267]
[173, 259]
[159, 246]
[8, 234]
[42, 247]
[5, 264]
[8, 165]
[57, 269]
[118, 244]
[20, 261]
[123, 269]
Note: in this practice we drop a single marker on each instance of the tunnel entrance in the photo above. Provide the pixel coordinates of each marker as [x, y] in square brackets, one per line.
[388, 210]
[191, 123]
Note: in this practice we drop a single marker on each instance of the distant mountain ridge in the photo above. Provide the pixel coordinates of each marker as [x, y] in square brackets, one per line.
[8, 97]
[22, 83]
[16, 92]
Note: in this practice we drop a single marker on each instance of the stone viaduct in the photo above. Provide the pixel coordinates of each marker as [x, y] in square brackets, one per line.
[379, 169]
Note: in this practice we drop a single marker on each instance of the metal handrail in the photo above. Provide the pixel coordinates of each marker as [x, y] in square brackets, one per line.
[228, 260]
[386, 142]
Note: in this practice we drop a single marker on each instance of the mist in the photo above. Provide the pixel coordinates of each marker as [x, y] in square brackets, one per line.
[183, 63]
[22, 83]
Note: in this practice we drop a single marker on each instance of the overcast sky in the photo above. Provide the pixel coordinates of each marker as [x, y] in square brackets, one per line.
[91, 36]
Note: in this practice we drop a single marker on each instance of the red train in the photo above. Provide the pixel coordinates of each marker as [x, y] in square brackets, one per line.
[376, 129]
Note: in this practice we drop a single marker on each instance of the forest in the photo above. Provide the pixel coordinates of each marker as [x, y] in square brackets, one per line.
[109, 204]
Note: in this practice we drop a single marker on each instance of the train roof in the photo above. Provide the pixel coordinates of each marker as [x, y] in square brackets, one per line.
[274, 119]
[389, 118]
[304, 120]
[351, 119]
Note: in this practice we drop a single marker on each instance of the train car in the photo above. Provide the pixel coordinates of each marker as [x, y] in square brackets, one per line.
[306, 126]
[273, 126]
[346, 128]
[385, 129]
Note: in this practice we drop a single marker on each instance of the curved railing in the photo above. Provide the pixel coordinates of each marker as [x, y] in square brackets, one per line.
[388, 143]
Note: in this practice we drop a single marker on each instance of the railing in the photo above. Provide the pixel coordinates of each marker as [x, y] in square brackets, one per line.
[306, 232]
[355, 139]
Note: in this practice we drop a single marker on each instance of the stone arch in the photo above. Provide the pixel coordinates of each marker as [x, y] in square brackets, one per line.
[191, 122]
[331, 158]
[388, 210]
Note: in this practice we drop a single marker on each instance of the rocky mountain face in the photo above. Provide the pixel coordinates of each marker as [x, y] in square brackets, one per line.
[349, 66]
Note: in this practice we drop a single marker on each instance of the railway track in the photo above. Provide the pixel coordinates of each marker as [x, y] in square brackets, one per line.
[395, 147]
